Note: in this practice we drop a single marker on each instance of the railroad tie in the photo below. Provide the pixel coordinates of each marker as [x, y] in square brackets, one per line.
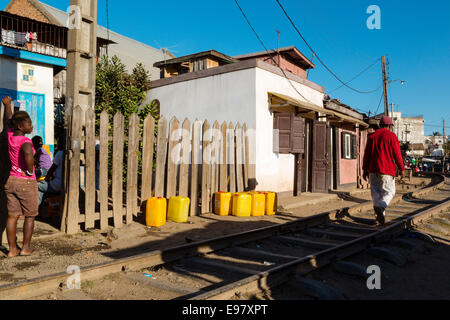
[305, 242]
[420, 235]
[259, 254]
[409, 245]
[350, 268]
[352, 228]
[331, 234]
[317, 289]
[204, 262]
[387, 255]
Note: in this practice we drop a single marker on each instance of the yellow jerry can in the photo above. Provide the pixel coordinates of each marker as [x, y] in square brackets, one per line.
[242, 205]
[258, 204]
[178, 209]
[156, 212]
[222, 205]
[271, 203]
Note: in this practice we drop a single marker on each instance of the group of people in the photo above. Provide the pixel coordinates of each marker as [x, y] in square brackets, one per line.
[32, 176]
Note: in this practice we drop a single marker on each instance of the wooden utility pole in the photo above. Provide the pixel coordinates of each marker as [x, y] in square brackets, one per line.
[386, 102]
[444, 138]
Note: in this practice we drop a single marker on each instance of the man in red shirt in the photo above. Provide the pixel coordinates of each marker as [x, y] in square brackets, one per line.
[382, 157]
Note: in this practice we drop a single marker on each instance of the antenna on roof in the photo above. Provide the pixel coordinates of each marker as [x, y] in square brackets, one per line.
[165, 50]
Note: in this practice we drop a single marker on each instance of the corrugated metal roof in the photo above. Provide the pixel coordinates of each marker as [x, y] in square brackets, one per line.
[128, 50]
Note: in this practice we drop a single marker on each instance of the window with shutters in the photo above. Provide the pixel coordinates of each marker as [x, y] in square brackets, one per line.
[289, 133]
[349, 146]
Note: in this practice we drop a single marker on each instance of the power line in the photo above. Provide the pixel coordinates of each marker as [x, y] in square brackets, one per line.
[318, 58]
[267, 51]
[359, 74]
[379, 103]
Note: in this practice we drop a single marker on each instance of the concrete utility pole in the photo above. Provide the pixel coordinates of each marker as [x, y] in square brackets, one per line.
[80, 79]
[81, 54]
[386, 102]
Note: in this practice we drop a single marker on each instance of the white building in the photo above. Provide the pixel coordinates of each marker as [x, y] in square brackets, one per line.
[411, 130]
[434, 143]
[211, 86]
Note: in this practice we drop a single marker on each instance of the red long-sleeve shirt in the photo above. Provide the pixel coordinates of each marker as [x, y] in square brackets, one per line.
[383, 153]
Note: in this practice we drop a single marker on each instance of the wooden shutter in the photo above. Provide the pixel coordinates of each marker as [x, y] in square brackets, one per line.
[298, 135]
[343, 145]
[354, 147]
[283, 123]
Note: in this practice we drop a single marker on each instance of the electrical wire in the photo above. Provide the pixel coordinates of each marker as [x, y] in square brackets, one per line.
[358, 75]
[379, 104]
[267, 51]
[318, 58]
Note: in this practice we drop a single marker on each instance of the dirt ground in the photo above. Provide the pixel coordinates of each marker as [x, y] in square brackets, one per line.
[55, 254]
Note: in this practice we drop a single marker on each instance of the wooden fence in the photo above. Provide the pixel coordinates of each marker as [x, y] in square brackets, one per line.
[192, 160]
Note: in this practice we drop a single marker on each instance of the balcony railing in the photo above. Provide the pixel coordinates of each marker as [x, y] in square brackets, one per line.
[28, 42]
[31, 35]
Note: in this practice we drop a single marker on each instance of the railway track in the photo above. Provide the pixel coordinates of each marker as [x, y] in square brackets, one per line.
[225, 267]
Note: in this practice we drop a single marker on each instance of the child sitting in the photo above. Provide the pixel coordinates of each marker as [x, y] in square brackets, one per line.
[42, 159]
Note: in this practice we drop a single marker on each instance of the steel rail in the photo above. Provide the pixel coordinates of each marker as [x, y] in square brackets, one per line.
[42, 285]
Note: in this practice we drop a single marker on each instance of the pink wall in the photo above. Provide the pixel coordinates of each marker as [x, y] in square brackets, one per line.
[348, 168]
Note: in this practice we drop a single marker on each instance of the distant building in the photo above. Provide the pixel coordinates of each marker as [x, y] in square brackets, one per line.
[433, 143]
[409, 129]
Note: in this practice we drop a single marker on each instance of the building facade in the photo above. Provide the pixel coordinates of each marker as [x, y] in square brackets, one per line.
[291, 134]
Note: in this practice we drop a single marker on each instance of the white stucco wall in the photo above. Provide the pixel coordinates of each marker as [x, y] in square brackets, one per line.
[226, 97]
[239, 96]
[275, 171]
[11, 71]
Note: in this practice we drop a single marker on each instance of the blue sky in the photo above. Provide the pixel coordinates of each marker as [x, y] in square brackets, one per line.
[414, 34]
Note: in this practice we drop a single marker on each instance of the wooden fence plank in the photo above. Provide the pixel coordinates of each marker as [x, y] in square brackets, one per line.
[215, 153]
[132, 170]
[246, 156]
[117, 178]
[73, 210]
[206, 175]
[223, 160]
[239, 160]
[231, 158]
[161, 157]
[185, 159]
[173, 158]
[103, 174]
[196, 137]
[89, 148]
[148, 146]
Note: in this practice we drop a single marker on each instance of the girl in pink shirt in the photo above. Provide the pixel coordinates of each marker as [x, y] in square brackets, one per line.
[21, 188]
